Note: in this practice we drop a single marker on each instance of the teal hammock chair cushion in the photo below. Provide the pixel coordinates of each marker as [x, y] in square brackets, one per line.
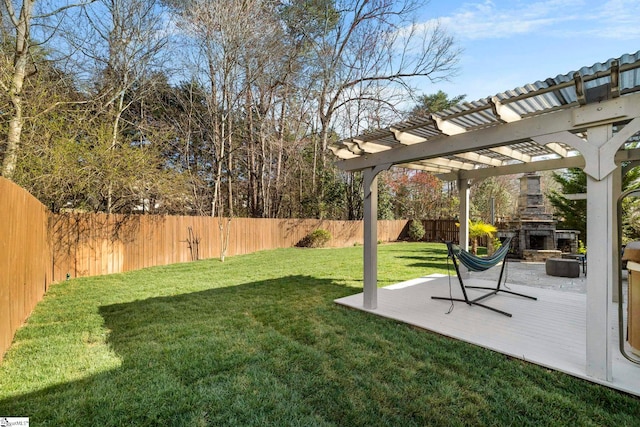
[475, 263]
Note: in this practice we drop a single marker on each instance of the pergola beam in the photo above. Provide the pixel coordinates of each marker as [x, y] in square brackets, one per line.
[479, 158]
[558, 149]
[542, 165]
[426, 167]
[570, 120]
[353, 147]
[448, 163]
[514, 154]
[343, 152]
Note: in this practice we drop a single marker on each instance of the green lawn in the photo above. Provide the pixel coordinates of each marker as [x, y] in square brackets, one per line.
[257, 340]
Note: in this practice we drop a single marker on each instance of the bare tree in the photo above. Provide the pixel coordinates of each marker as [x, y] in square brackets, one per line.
[370, 50]
[267, 85]
[118, 47]
[271, 65]
[227, 35]
[19, 15]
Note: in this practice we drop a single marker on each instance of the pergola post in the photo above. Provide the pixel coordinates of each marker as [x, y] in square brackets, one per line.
[463, 217]
[370, 290]
[616, 192]
[463, 194]
[601, 223]
[370, 184]
[604, 184]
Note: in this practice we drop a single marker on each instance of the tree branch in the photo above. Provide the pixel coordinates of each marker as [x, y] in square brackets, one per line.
[61, 9]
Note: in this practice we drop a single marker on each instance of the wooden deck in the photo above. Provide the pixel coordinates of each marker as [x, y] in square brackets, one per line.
[550, 332]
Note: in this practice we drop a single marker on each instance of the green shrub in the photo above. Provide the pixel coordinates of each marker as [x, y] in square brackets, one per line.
[478, 229]
[581, 247]
[316, 239]
[416, 230]
[497, 243]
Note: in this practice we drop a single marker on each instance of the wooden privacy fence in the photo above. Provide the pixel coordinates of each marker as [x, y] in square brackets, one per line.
[25, 258]
[441, 229]
[96, 244]
[38, 248]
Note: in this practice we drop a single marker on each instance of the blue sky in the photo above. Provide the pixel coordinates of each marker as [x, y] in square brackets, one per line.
[507, 44]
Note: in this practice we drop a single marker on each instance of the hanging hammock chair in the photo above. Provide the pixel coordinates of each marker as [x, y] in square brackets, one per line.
[475, 263]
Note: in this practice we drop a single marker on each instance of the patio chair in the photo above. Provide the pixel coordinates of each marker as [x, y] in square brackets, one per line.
[475, 263]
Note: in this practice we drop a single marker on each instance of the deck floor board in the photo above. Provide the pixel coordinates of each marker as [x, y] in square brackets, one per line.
[550, 332]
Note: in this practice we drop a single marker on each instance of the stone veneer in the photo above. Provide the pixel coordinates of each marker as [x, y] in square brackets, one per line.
[532, 255]
[534, 229]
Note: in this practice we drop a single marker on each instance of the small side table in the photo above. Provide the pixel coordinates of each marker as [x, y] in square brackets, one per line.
[582, 258]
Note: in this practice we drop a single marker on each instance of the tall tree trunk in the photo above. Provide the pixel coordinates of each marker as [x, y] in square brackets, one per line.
[21, 55]
[252, 189]
[13, 139]
[218, 178]
[217, 140]
[279, 190]
[263, 175]
[113, 146]
[230, 163]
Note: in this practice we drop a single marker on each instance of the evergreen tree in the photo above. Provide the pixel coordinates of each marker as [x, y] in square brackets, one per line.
[435, 102]
[572, 214]
[631, 207]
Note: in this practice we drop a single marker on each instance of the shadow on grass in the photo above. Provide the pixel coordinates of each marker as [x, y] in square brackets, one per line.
[198, 358]
[429, 261]
[435, 258]
[280, 352]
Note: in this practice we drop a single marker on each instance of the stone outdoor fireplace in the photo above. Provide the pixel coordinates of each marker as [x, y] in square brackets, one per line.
[533, 230]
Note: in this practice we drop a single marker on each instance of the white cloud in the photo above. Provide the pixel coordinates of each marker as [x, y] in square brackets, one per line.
[617, 19]
[560, 18]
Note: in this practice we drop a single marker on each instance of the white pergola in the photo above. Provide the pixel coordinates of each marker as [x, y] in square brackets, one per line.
[584, 119]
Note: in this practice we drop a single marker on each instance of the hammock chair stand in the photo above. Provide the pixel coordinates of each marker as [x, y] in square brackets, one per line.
[493, 291]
